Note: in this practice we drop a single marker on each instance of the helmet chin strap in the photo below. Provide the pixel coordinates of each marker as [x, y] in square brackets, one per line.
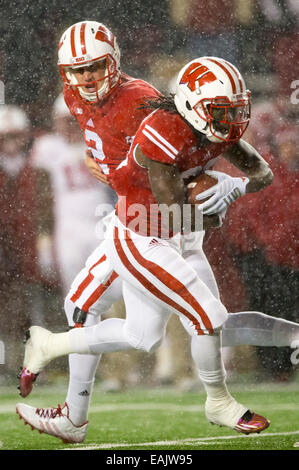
[212, 137]
[87, 96]
[215, 138]
[93, 96]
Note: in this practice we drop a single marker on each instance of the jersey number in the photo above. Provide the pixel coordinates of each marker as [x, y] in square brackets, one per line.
[95, 144]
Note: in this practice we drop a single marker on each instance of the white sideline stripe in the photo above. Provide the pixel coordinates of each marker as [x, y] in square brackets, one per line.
[150, 137]
[164, 141]
[192, 441]
[157, 407]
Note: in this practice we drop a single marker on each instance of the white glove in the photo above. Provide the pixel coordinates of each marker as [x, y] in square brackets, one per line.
[221, 216]
[222, 194]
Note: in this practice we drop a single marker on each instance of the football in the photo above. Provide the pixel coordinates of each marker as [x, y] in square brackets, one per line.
[198, 185]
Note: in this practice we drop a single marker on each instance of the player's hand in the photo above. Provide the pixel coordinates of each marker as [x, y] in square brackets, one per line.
[223, 194]
[94, 168]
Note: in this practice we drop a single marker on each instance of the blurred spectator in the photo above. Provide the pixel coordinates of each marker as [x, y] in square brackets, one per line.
[143, 29]
[78, 197]
[262, 232]
[21, 297]
[209, 28]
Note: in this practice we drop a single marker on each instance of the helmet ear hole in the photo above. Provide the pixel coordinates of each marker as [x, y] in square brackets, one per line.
[188, 106]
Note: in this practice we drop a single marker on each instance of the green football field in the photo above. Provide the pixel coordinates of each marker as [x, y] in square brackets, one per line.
[159, 419]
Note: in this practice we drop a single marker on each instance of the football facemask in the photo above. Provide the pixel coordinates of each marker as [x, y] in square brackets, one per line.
[97, 82]
[226, 120]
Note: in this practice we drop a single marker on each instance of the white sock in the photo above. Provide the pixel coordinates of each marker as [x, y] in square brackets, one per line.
[82, 372]
[206, 353]
[59, 344]
[220, 407]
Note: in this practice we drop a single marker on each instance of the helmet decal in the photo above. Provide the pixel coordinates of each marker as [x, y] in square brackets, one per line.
[105, 35]
[197, 75]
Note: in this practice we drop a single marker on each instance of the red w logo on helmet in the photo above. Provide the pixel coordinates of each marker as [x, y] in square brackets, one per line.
[103, 34]
[199, 73]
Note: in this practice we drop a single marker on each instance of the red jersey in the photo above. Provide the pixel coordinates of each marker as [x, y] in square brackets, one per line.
[167, 138]
[109, 126]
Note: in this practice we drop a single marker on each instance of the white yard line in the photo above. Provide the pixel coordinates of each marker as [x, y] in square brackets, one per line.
[188, 441]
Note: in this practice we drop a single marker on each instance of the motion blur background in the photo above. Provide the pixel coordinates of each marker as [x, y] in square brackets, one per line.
[255, 256]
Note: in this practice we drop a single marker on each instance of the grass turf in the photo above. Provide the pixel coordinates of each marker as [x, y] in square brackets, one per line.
[159, 419]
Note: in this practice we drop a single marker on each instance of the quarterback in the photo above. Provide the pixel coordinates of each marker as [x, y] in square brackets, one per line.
[109, 107]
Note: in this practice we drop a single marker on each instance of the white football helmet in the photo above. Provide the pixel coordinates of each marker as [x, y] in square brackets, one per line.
[13, 119]
[83, 44]
[211, 95]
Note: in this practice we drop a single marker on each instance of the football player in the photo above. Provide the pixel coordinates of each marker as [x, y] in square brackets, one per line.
[107, 105]
[209, 115]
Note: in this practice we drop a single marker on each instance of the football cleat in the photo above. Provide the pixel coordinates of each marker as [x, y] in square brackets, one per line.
[36, 357]
[251, 422]
[233, 415]
[53, 421]
[26, 382]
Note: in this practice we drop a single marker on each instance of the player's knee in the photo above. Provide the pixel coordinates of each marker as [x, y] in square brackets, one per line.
[152, 346]
[146, 343]
[149, 346]
[217, 314]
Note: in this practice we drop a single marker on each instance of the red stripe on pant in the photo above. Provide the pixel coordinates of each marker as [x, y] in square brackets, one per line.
[169, 281]
[82, 287]
[98, 292]
[151, 287]
[86, 281]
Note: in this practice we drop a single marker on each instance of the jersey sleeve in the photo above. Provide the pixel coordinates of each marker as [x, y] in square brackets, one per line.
[161, 137]
[131, 112]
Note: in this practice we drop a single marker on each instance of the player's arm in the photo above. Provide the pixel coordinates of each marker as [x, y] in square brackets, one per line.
[169, 188]
[258, 176]
[94, 168]
[244, 157]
